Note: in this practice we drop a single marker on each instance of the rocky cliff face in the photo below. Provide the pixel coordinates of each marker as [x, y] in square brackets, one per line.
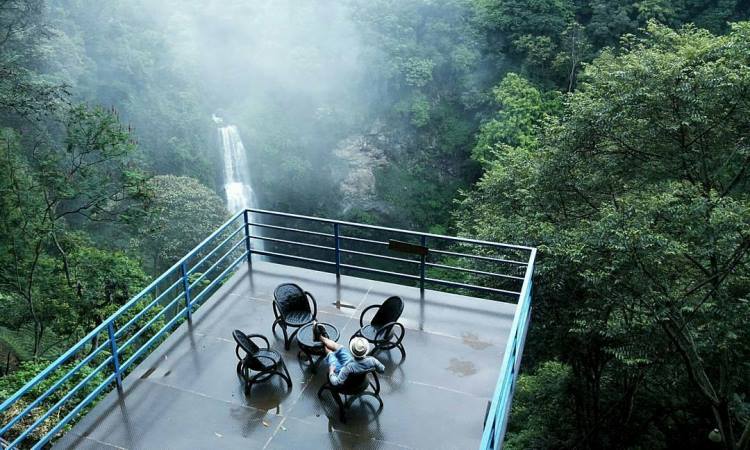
[363, 154]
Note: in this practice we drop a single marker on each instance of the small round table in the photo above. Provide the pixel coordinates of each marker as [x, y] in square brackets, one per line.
[310, 347]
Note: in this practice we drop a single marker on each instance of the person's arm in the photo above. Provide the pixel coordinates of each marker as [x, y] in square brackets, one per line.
[338, 379]
[378, 365]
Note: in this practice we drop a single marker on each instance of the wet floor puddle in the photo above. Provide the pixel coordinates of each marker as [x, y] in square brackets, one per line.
[462, 368]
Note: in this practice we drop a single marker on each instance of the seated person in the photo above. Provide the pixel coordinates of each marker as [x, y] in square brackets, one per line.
[343, 362]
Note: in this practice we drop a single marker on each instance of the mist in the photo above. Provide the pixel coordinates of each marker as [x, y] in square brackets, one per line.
[340, 105]
[240, 51]
[609, 139]
[286, 73]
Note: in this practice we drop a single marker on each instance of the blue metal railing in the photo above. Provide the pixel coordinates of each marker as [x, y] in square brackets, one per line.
[37, 412]
[336, 239]
[499, 410]
[341, 247]
[498, 414]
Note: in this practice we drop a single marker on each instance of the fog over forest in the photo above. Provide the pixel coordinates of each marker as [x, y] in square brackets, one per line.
[288, 74]
[612, 136]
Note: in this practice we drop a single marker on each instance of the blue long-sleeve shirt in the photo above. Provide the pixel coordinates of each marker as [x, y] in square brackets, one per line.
[345, 364]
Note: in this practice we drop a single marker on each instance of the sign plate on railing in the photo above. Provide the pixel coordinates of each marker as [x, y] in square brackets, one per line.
[406, 247]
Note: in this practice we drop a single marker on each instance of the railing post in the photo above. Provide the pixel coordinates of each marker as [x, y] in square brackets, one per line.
[247, 239]
[337, 245]
[186, 288]
[115, 353]
[422, 261]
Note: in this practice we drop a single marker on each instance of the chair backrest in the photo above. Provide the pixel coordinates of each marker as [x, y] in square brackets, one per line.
[251, 360]
[389, 311]
[291, 297]
[354, 384]
[245, 342]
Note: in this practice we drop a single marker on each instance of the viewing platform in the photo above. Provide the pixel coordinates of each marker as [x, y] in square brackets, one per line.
[179, 387]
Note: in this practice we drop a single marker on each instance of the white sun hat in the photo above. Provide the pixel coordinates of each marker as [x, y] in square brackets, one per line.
[359, 347]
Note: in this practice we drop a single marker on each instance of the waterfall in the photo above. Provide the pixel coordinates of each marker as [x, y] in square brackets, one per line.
[237, 182]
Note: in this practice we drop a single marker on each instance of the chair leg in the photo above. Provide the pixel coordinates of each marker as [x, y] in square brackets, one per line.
[373, 395]
[399, 344]
[291, 337]
[372, 408]
[242, 373]
[249, 385]
[375, 384]
[379, 346]
[286, 336]
[342, 408]
[286, 375]
[380, 400]
[336, 398]
[287, 339]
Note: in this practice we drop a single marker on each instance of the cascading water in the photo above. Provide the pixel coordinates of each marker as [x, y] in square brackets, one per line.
[237, 183]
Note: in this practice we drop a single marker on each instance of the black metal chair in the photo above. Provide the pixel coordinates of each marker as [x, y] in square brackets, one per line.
[292, 309]
[384, 332]
[354, 387]
[264, 361]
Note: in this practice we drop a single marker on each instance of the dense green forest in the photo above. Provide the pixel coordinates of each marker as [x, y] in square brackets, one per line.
[612, 135]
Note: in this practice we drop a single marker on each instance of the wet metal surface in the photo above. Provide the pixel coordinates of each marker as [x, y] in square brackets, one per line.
[186, 394]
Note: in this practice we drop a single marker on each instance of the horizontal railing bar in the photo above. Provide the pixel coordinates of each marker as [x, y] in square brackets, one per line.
[153, 338]
[345, 266]
[197, 248]
[54, 387]
[150, 322]
[49, 369]
[198, 264]
[375, 255]
[71, 351]
[284, 241]
[214, 265]
[46, 372]
[471, 286]
[88, 399]
[478, 272]
[369, 241]
[383, 272]
[140, 351]
[484, 258]
[221, 275]
[59, 403]
[430, 250]
[298, 258]
[296, 230]
[392, 230]
[175, 267]
[147, 308]
[395, 274]
[445, 252]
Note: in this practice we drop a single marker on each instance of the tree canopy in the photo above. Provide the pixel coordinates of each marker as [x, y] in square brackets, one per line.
[637, 196]
[612, 135]
[182, 213]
